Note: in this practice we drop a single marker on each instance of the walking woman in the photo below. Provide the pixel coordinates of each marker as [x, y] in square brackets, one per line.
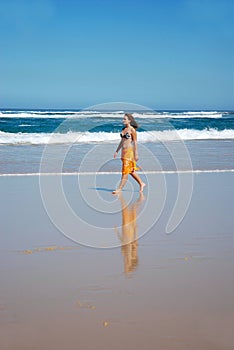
[129, 155]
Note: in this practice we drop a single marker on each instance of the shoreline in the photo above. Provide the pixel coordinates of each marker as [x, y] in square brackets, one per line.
[167, 172]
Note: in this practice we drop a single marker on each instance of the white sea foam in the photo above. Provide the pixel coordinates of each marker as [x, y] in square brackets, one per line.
[169, 172]
[183, 115]
[185, 134]
[106, 137]
[56, 138]
[117, 114]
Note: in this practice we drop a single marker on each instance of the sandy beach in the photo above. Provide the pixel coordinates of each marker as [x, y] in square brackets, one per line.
[137, 286]
[97, 96]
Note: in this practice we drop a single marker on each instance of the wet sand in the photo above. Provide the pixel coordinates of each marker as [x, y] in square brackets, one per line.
[154, 290]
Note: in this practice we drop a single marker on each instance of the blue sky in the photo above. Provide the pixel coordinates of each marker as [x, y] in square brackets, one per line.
[168, 54]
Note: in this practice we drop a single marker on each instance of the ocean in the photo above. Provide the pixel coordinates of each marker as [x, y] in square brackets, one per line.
[74, 141]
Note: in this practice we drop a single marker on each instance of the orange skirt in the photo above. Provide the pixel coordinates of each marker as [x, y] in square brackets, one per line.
[128, 161]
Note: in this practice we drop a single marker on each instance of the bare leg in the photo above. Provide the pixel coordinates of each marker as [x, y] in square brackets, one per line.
[122, 184]
[138, 179]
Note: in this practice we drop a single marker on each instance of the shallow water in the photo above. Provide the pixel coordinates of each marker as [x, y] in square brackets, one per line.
[169, 156]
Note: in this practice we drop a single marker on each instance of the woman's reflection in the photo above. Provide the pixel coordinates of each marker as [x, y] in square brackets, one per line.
[128, 235]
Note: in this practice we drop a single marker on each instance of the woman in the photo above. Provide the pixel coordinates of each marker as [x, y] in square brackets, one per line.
[129, 154]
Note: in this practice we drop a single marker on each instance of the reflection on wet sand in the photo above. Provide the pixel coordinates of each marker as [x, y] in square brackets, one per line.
[128, 234]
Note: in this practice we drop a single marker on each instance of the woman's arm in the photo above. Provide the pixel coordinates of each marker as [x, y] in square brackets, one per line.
[118, 148]
[134, 139]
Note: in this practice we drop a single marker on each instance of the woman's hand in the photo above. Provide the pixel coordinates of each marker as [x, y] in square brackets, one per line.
[115, 155]
[136, 157]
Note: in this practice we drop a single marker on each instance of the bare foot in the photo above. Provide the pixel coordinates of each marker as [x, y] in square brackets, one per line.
[116, 191]
[142, 186]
